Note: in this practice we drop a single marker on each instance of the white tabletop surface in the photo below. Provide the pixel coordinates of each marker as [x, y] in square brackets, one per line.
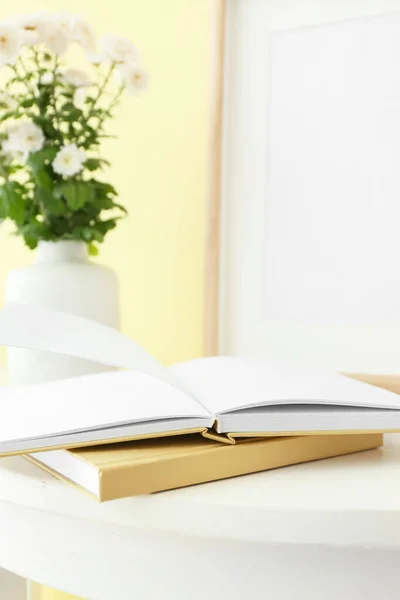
[352, 500]
[334, 525]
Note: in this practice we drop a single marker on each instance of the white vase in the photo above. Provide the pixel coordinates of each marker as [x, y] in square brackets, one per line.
[64, 279]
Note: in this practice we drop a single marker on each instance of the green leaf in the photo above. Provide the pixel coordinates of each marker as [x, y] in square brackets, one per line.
[44, 99]
[3, 203]
[46, 124]
[76, 193]
[43, 179]
[38, 160]
[8, 115]
[71, 113]
[48, 154]
[104, 226]
[70, 191]
[13, 202]
[97, 235]
[103, 203]
[31, 241]
[39, 164]
[120, 207]
[68, 105]
[93, 164]
[93, 250]
[83, 233]
[27, 103]
[52, 205]
[87, 234]
[35, 162]
[16, 209]
[34, 232]
[103, 189]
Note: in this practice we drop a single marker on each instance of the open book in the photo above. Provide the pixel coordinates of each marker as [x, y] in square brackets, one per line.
[221, 397]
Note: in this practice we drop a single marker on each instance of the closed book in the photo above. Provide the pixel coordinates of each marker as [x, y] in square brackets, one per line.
[147, 466]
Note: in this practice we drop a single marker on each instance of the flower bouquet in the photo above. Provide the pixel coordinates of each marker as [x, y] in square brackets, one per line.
[52, 122]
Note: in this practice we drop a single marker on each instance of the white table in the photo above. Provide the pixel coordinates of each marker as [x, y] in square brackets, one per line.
[325, 530]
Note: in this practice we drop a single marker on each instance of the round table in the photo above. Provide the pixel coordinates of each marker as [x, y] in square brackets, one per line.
[322, 530]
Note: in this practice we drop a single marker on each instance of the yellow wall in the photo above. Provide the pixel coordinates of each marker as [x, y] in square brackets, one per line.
[159, 168]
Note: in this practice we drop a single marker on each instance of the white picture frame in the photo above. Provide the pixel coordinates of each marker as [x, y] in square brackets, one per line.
[239, 99]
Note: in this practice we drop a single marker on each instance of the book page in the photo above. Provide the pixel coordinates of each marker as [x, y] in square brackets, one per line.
[90, 402]
[224, 384]
[39, 328]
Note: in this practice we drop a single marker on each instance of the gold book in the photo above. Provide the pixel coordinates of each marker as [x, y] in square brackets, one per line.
[144, 467]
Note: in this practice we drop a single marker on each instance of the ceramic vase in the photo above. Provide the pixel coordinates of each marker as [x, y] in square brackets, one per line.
[62, 278]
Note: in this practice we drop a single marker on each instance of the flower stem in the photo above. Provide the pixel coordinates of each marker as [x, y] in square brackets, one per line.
[112, 105]
[99, 94]
[102, 88]
[25, 76]
[116, 98]
[4, 173]
[53, 95]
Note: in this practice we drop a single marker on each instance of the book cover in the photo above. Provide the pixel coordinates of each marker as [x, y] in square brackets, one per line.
[144, 467]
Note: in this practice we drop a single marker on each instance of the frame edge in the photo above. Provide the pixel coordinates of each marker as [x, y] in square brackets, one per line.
[214, 178]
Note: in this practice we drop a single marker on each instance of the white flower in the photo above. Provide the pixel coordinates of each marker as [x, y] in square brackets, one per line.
[47, 78]
[79, 97]
[29, 27]
[5, 155]
[10, 43]
[83, 34]
[8, 150]
[119, 50]
[30, 21]
[69, 160]
[54, 32]
[95, 58]
[76, 78]
[7, 102]
[135, 79]
[25, 138]
[9, 146]
[62, 20]
[30, 38]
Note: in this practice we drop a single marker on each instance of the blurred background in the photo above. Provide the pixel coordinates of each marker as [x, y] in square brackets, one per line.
[159, 167]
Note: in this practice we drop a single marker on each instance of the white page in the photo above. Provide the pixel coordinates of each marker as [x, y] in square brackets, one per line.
[231, 383]
[88, 402]
[39, 328]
